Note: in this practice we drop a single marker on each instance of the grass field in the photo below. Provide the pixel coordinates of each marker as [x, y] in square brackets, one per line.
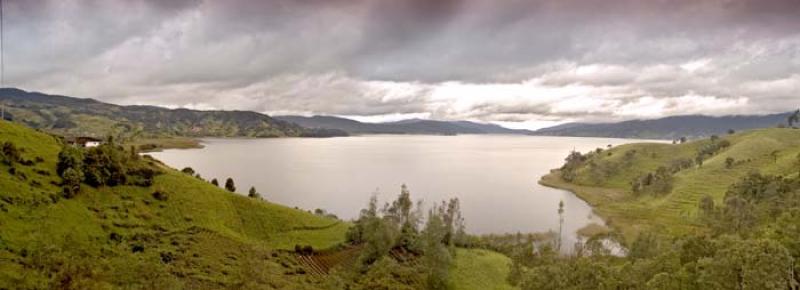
[480, 270]
[675, 212]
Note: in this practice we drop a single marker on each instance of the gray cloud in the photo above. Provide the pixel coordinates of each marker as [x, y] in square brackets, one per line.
[505, 61]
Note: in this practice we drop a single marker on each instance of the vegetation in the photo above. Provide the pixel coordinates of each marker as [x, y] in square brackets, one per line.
[178, 232]
[731, 223]
[147, 127]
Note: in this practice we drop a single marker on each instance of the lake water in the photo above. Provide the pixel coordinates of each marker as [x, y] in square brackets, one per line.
[494, 176]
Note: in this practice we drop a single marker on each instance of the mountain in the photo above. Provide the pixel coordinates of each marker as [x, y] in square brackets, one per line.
[669, 128]
[411, 126]
[76, 116]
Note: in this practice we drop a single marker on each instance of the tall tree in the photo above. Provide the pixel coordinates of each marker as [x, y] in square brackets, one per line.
[793, 118]
[560, 223]
[437, 257]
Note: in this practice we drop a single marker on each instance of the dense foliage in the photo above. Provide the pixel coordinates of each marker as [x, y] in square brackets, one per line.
[426, 252]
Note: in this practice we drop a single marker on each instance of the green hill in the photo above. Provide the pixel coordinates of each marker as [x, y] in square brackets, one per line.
[199, 235]
[605, 177]
[87, 117]
[176, 231]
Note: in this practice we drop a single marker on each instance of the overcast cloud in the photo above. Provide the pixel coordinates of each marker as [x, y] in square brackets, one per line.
[519, 63]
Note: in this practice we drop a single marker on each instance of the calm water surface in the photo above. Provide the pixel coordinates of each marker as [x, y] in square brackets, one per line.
[495, 177]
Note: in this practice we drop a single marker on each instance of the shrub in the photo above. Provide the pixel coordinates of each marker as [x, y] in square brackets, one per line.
[160, 195]
[253, 193]
[9, 153]
[71, 183]
[229, 185]
[188, 170]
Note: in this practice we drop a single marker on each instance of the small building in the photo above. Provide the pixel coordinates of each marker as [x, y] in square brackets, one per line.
[86, 142]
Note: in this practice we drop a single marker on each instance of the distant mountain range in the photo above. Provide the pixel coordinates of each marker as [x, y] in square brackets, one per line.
[87, 117]
[412, 126]
[669, 128]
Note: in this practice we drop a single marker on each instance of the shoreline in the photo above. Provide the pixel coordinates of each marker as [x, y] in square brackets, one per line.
[596, 197]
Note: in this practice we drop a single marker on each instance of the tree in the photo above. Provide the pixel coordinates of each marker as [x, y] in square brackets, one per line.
[253, 193]
[229, 186]
[377, 234]
[215, 182]
[69, 157]
[683, 140]
[793, 118]
[729, 162]
[104, 165]
[71, 183]
[188, 170]
[746, 264]
[731, 131]
[707, 206]
[560, 223]
[437, 257]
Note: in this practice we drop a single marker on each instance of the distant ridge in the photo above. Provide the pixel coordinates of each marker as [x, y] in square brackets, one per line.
[669, 128]
[412, 126]
[76, 116]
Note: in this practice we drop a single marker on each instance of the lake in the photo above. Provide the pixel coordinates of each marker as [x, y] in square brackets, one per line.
[494, 176]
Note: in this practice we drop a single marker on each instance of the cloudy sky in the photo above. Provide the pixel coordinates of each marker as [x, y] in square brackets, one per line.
[521, 63]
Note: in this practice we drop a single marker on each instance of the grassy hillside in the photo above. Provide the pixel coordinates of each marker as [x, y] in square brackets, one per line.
[605, 179]
[87, 117]
[480, 269]
[200, 235]
[179, 232]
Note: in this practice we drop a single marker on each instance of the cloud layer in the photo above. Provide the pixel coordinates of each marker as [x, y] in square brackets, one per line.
[516, 62]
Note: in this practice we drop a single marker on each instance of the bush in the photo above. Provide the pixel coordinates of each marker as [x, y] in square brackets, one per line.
[71, 184]
[160, 195]
[229, 185]
[188, 170]
[9, 153]
[104, 165]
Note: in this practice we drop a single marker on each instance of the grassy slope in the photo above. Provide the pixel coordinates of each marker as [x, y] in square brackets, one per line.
[476, 269]
[218, 238]
[675, 212]
[202, 224]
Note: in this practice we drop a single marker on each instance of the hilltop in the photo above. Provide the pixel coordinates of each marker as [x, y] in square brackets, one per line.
[669, 128]
[71, 116]
[623, 183]
[412, 126]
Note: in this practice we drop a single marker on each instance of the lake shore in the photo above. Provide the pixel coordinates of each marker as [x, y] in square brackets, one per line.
[147, 145]
[598, 198]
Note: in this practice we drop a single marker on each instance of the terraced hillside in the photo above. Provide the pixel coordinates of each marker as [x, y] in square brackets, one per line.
[189, 234]
[669, 203]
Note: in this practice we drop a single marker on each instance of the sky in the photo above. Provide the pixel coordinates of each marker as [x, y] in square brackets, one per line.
[519, 63]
